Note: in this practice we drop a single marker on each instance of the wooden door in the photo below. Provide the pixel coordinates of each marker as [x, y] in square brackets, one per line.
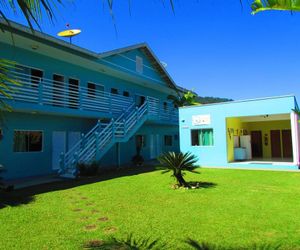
[287, 148]
[276, 144]
[256, 144]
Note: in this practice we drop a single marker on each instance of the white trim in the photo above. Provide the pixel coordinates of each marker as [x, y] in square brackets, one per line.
[130, 59]
[238, 101]
[295, 138]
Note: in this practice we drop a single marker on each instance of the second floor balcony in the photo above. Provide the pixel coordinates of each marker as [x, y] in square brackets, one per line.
[42, 95]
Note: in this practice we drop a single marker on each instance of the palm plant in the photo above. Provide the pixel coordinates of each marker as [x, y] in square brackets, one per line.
[178, 163]
[6, 82]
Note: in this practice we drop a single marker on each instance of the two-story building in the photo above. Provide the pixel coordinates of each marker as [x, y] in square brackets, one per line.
[74, 105]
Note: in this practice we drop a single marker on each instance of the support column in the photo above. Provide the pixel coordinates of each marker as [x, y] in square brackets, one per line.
[295, 138]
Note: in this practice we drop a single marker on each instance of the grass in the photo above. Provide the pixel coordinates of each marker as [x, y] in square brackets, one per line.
[240, 208]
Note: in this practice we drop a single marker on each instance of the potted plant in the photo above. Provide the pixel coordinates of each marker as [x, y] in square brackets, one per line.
[138, 159]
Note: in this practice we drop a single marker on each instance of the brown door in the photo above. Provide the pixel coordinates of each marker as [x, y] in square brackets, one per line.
[287, 148]
[256, 144]
[275, 143]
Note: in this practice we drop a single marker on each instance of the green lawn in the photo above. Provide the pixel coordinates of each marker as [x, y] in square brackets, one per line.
[239, 208]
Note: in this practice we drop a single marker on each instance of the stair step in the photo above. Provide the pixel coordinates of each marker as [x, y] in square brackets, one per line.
[68, 176]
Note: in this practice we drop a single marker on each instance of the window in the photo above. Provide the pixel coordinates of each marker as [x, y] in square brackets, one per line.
[36, 77]
[91, 90]
[202, 137]
[139, 64]
[28, 141]
[58, 90]
[165, 106]
[168, 140]
[126, 93]
[73, 93]
[114, 91]
[140, 141]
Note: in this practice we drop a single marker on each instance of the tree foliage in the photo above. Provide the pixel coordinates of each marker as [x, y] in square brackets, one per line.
[178, 163]
[285, 5]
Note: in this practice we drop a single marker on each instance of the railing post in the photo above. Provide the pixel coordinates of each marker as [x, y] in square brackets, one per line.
[137, 113]
[82, 141]
[124, 122]
[113, 128]
[62, 162]
[80, 98]
[76, 160]
[97, 145]
[110, 102]
[41, 89]
[99, 125]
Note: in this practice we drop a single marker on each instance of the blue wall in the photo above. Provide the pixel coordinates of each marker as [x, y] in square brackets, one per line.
[216, 155]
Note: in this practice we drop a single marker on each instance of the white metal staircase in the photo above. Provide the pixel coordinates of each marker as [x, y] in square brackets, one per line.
[93, 145]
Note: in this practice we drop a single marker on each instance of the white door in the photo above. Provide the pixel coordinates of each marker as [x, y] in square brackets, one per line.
[155, 146]
[73, 138]
[58, 146]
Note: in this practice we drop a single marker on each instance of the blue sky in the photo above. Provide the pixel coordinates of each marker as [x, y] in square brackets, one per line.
[213, 46]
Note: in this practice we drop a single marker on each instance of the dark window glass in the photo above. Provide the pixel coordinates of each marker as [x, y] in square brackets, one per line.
[91, 90]
[168, 140]
[202, 137]
[126, 93]
[58, 90]
[28, 141]
[73, 93]
[165, 106]
[36, 77]
[114, 91]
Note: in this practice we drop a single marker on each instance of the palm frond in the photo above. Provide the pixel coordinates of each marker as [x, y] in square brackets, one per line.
[286, 5]
[6, 82]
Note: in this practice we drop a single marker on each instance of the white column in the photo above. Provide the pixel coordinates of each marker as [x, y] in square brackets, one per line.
[295, 137]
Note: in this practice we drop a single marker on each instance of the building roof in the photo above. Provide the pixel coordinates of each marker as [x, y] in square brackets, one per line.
[144, 47]
[239, 101]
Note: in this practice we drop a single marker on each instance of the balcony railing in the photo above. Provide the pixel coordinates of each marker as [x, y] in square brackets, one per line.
[46, 92]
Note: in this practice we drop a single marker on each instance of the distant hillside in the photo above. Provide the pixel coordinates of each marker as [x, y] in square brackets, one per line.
[210, 99]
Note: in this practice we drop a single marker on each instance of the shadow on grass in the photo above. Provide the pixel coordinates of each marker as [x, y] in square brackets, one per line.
[202, 184]
[131, 243]
[26, 195]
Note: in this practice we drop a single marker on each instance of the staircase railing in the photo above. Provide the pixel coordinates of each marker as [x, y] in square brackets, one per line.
[93, 145]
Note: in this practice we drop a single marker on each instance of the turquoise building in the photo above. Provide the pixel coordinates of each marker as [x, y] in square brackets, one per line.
[76, 106]
[258, 133]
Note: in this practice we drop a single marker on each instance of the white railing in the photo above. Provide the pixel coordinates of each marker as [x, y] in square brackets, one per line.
[92, 146]
[48, 92]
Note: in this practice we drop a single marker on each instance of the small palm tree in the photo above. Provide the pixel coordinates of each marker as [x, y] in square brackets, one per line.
[178, 163]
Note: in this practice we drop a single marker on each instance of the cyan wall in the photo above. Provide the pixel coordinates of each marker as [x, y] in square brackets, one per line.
[72, 70]
[128, 149]
[27, 164]
[216, 155]
[23, 164]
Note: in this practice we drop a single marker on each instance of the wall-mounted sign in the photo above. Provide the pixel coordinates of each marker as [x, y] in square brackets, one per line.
[200, 120]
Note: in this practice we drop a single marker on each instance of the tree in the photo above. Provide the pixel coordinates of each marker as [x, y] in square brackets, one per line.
[184, 99]
[286, 5]
[178, 163]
